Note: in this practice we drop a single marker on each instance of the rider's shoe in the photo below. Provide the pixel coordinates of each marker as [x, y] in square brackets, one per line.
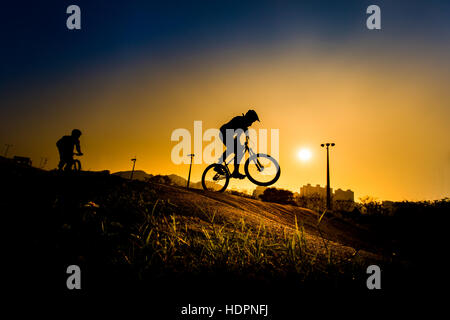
[238, 175]
[219, 170]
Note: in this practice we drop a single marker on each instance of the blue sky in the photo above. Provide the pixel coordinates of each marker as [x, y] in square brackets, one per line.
[36, 42]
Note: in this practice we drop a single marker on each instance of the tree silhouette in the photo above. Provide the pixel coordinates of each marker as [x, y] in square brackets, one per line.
[278, 196]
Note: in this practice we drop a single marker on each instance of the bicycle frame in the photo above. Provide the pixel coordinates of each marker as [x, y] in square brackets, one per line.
[251, 153]
[223, 174]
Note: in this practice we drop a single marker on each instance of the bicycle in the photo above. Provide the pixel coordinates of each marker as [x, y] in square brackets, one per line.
[75, 165]
[221, 174]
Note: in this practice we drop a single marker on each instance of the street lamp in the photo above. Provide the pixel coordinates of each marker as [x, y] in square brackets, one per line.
[190, 166]
[132, 170]
[328, 174]
[7, 146]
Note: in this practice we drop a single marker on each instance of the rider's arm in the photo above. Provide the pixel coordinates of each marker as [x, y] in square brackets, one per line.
[246, 132]
[77, 146]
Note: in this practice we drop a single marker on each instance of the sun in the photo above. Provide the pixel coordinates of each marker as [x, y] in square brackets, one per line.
[304, 154]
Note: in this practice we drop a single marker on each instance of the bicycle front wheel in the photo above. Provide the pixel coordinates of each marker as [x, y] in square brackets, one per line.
[76, 165]
[262, 169]
[215, 178]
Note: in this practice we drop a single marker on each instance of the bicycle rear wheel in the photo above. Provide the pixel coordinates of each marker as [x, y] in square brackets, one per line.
[215, 178]
[262, 169]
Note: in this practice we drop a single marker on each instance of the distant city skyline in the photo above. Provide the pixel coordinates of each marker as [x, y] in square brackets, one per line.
[339, 194]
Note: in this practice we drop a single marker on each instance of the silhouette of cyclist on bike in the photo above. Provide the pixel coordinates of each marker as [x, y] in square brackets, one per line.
[236, 124]
[65, 147]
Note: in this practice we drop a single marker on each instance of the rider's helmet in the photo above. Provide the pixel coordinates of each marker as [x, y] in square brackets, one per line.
[76, 132]
[252, 115]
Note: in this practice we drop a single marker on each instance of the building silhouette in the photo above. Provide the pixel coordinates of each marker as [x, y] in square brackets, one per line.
[22, 161]
[309, 191]
[338, 195]
[341, 195]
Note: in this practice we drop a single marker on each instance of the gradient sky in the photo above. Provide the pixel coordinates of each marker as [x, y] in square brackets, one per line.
[140, 69]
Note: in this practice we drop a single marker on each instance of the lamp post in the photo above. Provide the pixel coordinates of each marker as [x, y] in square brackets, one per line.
[7, 146]
[190, 167]
[132, 170]
[328, 173]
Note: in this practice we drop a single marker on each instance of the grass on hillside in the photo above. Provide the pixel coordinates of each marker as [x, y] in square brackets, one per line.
[131, 230]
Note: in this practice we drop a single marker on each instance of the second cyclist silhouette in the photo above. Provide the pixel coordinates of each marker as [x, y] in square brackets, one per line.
[236, 124]
[65, 148]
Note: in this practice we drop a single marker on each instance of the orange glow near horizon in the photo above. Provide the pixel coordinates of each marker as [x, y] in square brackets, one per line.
[388, 117]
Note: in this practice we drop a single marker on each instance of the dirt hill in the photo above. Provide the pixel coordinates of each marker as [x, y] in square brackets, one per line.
[137, 233]
[344, 237]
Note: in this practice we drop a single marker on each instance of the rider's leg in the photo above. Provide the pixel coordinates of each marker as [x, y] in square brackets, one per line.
[228, 139]
[61, 160]
[68, 159]
[225, 154]
[236, 160]
[227, 136]
[239, 150]
[60, 164]
[223, 157]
